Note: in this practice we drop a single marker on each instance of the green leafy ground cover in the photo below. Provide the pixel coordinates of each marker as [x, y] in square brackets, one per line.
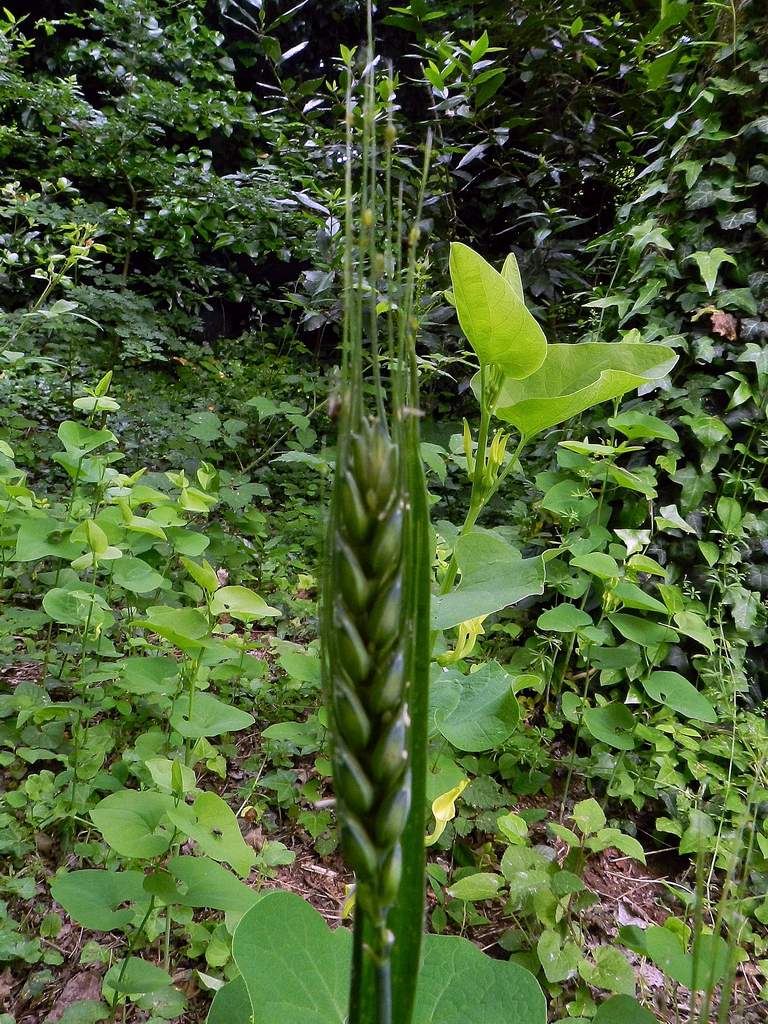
[598, 736]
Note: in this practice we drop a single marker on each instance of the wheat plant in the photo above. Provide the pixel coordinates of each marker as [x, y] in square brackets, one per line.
[375, 623]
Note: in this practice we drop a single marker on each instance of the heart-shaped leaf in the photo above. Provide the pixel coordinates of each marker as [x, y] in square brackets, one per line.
[200, 882]
[699, 969]
[153, 675]
[241, 603]
[136, 575]
[612, 724]
[93, 897]
[492, 314]
[623, 1010]
[486, 712]
[214, 827]
[209, 717]
[673, 690]
[134, 823]
[574, 378]
[493, 576]
[135, 976]
[564, 618]
[296, 970]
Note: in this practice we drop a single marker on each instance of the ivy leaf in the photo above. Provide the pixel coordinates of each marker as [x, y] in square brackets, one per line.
[709, 263]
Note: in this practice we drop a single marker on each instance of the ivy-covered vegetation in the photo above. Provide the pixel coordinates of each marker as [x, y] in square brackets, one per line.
[553, 217]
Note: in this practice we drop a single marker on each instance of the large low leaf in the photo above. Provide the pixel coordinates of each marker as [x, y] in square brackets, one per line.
[493, 315]
[483, 711]
[576, 377]
[493, 576]
[95, 898]
[209, 717]
[200, 882]
[149, 675]
[458, 984]
[135, 823]
[295, 968]
[296, 971]
[213, 826]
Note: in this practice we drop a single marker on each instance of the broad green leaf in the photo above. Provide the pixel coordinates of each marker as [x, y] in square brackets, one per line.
[610, 971]
[642, 631]
[162, 770]
[492, 314]
[295, 968]
[209, 717]
[95, 898]
[559, 960]
[85, 1011]
[214, 827]
[458, 984]
[640, 426]
[483, 885]
[241, 603]
[632, 596]
[589, 816]
[44, 537]
[296, 971]
[564, 618]
[574, 378]
[696, 628]
[136, 575]
[78, 438]
[231, 1004]
[493, 576]
[183, 627]
[200, 882]
[700, 968]
[623, 1010]
[149, 675]
[135, 976]
[731, 515]
[607, 837]
[674, 691]
[486, 713]
[77, 608]
[605, 567]
[709, 263]
[135, 823]
[612, 724]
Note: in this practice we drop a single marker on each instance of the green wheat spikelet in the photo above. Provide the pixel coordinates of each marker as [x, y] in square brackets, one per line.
[368, 665]
[375, 605]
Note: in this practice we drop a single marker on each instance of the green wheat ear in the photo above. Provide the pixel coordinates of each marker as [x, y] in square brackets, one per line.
[375, 617]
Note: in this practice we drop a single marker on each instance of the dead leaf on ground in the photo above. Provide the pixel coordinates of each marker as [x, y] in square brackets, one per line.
[725, 325]
[85, 985]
